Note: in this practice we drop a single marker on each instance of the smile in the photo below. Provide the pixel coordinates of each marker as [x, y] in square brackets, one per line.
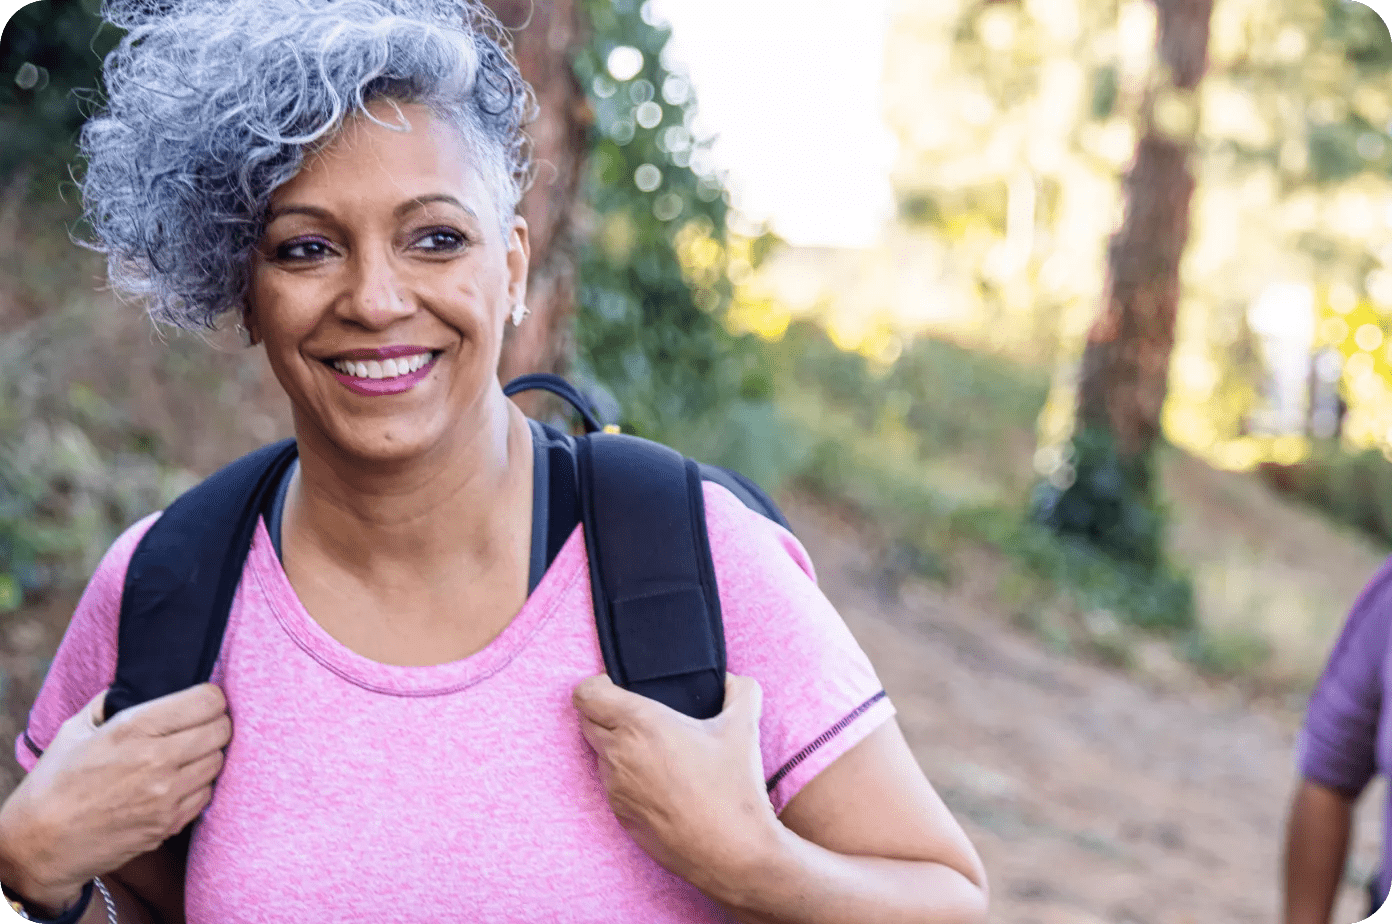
[383, 375]
[383, 369]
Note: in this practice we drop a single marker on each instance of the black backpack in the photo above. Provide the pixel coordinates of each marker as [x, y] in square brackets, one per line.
[657, 608]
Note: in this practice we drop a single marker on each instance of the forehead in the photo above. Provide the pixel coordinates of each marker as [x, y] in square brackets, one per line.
[367, 163]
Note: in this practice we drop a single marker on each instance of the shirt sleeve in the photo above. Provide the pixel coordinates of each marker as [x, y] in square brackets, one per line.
[821, 694]
[85, 662]
[1338, 743]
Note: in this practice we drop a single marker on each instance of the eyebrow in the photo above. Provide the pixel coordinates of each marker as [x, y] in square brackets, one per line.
[408, 206]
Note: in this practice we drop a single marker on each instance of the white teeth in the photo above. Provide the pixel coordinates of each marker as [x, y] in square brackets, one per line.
[386, 369]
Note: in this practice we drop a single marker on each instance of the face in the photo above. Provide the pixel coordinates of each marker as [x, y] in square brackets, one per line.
[381, 287]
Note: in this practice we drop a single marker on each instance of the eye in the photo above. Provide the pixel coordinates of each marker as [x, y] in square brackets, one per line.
[303, 249]
[442, 240]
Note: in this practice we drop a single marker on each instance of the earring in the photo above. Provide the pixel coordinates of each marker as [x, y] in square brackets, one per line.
[247, 337]
[519, 311]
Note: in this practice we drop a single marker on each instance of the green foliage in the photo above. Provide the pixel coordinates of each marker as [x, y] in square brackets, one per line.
[50, 60]
[74, 469]
[1353, 489]
[1106, 498]
[930, 451]
[648, 333]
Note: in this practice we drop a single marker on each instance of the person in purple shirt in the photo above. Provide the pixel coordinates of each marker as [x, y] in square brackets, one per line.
[1346, 739]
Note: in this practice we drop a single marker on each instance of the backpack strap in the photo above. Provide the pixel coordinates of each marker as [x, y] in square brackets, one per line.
[657, 607]
[182, 577]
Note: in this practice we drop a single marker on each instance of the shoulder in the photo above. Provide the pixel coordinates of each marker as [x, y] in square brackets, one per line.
[86, 658]
[110, 574]
[751, 546]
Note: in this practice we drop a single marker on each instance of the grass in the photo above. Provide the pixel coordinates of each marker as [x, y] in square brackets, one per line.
[936, 454]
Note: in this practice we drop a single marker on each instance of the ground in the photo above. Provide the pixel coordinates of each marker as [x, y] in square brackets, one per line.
[1093, 795]
[1149, 796]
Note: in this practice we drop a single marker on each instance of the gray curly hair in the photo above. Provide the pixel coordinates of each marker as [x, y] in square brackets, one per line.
[213, 104]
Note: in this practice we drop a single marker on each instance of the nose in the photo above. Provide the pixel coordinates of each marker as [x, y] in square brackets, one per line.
[375, 299]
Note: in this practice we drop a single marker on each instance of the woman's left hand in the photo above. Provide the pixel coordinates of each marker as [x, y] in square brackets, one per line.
[690, 792]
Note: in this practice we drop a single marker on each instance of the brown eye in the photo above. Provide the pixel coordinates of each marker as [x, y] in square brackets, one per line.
[442, 240]
[310, 249]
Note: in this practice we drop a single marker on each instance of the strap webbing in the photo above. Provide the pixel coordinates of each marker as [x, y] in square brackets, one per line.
[188, 565]
[657, 609]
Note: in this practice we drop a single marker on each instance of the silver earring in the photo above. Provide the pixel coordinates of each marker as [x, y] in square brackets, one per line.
[519, 311]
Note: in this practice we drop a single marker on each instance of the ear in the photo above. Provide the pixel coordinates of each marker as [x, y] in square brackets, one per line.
[519, 258]
[248, 324]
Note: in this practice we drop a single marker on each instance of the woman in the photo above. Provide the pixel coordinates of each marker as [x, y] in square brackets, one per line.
[406, 723]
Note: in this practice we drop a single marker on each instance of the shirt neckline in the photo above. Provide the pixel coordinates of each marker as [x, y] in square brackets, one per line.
[267, 573]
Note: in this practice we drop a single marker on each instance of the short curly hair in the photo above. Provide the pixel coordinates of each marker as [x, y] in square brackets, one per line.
[212, 105]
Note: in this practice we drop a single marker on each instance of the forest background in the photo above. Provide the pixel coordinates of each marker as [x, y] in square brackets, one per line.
[924, 389]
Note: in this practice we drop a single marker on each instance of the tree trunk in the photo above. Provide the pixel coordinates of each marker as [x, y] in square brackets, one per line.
[1126, 362]
[544, 36]
[1108, 495]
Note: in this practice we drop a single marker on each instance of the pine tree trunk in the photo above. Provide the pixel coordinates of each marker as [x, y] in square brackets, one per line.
[1109, 497]
[1127, 358]
[544, 36]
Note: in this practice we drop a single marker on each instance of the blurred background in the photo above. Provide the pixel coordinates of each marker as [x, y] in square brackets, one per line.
[1060, 327]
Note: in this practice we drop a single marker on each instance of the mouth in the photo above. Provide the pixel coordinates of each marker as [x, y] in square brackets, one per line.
[382, 372]
[359, 365]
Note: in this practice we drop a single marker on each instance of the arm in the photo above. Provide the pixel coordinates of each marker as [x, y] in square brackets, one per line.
[867, 840]
[1317, 839]
[143, 890]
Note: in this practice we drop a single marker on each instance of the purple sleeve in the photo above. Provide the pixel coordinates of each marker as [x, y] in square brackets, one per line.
[1338, 744]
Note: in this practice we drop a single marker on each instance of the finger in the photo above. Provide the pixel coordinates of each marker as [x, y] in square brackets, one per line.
[193, 744]
[178, 711]
[95, 710]
[744, 695]
[191, 806]
[599, 737]
[200, 773]
[602, 702]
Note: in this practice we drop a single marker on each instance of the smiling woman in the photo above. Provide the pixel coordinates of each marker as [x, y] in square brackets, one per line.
[408, 717]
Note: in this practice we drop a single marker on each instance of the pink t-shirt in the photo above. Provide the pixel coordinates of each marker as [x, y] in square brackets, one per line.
[359, 791]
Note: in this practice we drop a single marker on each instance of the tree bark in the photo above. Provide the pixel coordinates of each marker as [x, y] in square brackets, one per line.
[544, 36]
[1125, 367]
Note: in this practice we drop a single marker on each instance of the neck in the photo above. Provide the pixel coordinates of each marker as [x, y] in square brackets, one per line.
[462, 500]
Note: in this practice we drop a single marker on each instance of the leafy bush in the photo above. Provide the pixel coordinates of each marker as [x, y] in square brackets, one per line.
[653, 280]
[1352, 489]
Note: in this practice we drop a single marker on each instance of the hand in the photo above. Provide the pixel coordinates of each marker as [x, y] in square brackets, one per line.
[106, 793]
[690, 792]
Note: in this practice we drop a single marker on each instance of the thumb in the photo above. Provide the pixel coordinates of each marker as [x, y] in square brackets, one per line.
[94, 713]
[603, 702]
[744, 698]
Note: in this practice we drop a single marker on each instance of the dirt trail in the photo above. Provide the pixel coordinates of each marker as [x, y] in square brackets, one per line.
[1093, 796]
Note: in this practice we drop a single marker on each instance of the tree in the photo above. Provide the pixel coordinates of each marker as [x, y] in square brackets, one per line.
[545, 36]
[1126, 362]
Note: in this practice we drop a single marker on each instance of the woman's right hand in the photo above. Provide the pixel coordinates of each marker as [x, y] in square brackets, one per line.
[105, 793]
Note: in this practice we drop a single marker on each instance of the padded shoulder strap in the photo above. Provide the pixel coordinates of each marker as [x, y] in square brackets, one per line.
[182, 577]
[657, 608]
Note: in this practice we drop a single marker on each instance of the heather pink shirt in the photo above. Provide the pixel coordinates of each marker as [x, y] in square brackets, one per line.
[359, 791]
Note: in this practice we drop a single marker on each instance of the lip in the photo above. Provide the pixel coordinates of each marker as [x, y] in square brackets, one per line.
[391, 352]
[374, 388]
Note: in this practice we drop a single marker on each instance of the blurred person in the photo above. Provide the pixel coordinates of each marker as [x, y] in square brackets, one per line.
[1345, 741]
[406, 722]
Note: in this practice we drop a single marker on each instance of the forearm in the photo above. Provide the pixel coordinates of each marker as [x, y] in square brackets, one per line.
[51, 901]
[1317, 839]
[803, 883]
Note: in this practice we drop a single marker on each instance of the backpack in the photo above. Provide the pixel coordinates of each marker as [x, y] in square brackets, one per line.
[657, 607]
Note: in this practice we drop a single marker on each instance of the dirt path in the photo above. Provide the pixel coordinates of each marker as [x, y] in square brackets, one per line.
[1093, 796]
